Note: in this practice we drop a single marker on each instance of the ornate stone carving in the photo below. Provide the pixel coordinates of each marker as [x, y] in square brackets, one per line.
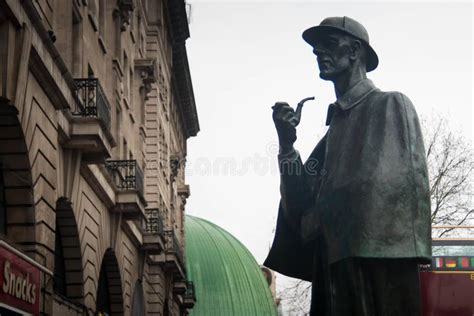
[124, 12]
[175, 164]
[163, 89]
[148, 70]
[183, 194]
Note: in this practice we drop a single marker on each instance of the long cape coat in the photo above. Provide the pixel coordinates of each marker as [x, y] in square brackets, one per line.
[364, 190]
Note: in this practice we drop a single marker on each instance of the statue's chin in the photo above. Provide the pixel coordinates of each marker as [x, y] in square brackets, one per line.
[324, 76]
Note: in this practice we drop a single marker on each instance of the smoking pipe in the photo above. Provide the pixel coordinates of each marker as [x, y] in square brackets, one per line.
[299, 108]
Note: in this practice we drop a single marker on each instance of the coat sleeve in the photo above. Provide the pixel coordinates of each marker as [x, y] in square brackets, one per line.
[288, 254]
[299, 183]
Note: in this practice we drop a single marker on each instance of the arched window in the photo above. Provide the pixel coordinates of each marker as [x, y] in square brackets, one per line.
[103, 295]
[59, 266]
[138, 302]
[3, 214]
[109, 289]
[166, 308]
[68, 276]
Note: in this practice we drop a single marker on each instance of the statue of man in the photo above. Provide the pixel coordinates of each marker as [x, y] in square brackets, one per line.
[355, 218]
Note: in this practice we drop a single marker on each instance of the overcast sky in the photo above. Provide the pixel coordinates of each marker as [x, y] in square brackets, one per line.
[246, 55]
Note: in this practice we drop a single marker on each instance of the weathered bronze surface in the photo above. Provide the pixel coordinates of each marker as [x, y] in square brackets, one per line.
[360, 203]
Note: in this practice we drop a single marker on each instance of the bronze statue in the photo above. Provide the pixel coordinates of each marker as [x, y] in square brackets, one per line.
[355, 218]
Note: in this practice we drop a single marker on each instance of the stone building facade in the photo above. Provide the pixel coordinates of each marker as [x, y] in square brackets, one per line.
[96, 106]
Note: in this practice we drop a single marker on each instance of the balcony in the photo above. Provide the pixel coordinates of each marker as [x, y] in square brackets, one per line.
[172, 257]
[127, 178]
[90, 122]
[92, 101]
[153, 232]
[189, 297]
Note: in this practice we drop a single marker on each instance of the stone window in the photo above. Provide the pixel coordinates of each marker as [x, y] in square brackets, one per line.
[126, 77]
[130, 87]
[94, 10]
[118, 117]
[138, 301]
[59, 266]
[101, 15]
[163, 149]
[125, 149]
[2, 203]
[103, 295]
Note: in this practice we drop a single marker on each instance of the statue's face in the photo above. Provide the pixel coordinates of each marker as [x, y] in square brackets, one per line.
[333, 54]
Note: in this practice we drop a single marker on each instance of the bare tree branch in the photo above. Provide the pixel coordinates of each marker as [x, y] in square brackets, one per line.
[296, 298]
[450, 165]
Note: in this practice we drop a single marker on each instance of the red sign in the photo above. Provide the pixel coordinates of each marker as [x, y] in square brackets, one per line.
[447, 293]
[19, 283]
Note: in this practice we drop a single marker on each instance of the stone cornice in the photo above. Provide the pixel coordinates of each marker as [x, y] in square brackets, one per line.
[181, 76]
[184, 90]
[178, 20]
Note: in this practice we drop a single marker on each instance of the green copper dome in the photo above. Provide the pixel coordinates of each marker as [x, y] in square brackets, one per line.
[227, 279]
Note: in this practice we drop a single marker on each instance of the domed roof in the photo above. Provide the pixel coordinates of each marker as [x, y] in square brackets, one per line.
[227, 279]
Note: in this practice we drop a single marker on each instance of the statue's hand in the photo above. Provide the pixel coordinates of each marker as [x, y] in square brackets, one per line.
[285, 120]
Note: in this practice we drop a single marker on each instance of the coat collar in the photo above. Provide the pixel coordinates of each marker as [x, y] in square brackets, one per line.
[351, 98]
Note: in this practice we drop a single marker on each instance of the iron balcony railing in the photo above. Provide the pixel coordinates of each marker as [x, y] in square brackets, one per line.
[154, 222]
[172, 245]
[126, 174]
[190, 294]
[91, 100]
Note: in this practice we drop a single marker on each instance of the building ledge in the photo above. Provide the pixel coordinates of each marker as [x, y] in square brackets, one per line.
[133, 231]
[174, 265]
[63, 304]
[188, 302]
[97, 177]
[152, 243]
[88, 135]
[170, 263]
[130, 204]
[179, 287]
[172, 258]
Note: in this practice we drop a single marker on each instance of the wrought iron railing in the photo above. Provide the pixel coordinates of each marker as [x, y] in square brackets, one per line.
[154, 222]
[91, 100]
[126, 174]
[172, 245]
[190, 294]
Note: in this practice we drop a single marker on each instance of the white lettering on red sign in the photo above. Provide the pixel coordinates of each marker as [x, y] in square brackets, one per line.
[18, 285]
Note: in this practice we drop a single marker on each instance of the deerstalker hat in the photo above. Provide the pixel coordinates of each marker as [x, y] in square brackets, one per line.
[346, 25]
